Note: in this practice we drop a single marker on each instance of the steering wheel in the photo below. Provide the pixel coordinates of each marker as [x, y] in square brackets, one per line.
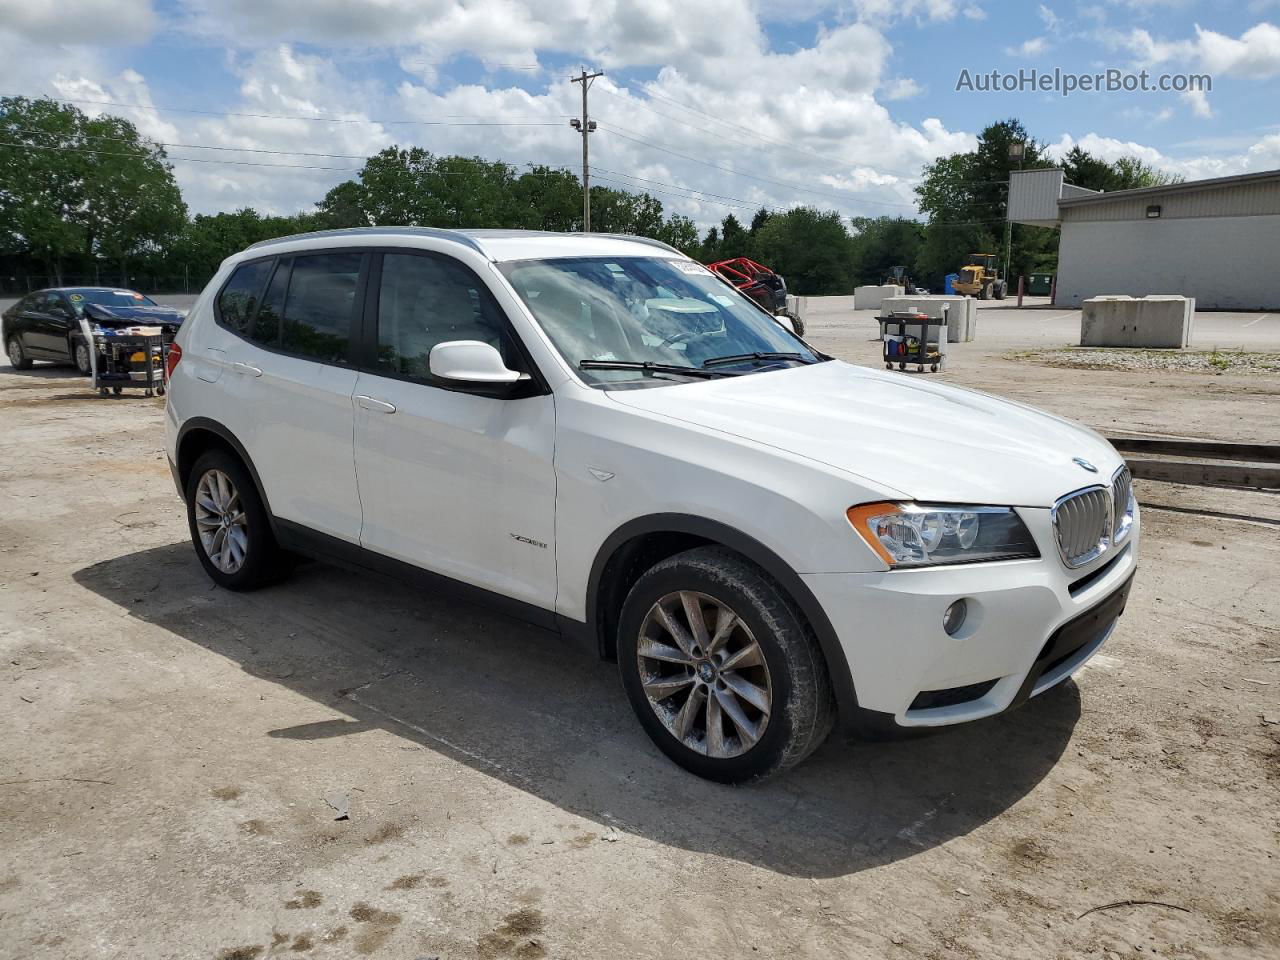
[682, 337]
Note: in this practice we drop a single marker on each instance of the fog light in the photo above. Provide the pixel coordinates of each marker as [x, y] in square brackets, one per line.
[953, 619]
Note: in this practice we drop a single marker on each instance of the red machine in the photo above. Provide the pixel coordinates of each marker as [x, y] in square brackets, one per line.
[755, 280]
[760, 284]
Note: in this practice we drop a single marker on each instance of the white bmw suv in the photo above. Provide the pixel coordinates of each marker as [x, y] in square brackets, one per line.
[603, 438]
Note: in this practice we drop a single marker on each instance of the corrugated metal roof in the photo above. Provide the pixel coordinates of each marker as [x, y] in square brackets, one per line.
[1142, 193]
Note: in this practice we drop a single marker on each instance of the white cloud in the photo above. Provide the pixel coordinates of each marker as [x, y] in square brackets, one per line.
[1050, 19]
[79, 21]
[1262, 155]
[1198, 103]
[901, 88]
[1029, 48]
[974, 12]
[1255, 53]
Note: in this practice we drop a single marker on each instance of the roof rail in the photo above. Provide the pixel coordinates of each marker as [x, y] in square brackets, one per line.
[627, 236]
[434, 232]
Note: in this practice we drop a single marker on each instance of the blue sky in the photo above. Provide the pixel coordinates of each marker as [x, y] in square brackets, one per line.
[717, 106]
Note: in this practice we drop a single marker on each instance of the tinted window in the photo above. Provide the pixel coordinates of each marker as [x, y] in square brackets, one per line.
[266, 323]
[239, 298]
[321, 306]
[425, 300]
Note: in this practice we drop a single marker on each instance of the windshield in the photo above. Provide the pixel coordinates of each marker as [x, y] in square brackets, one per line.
[670, 315]
[108, 298]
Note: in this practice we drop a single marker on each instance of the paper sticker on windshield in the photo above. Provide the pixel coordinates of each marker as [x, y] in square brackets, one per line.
[688, 266]
[614, 268]
[722, 300]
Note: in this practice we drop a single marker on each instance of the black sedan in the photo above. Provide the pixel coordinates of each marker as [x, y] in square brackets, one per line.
[46, 325]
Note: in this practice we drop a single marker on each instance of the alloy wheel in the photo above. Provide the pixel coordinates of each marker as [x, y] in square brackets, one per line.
[82, 359]
[15, 354]
[704, 674]
[221, 522]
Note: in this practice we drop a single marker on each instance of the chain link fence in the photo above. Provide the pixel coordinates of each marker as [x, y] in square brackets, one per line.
[20, 284]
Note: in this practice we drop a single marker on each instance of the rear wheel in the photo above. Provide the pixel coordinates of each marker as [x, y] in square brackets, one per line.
[18, 358]
[229, 525]
[721, 670]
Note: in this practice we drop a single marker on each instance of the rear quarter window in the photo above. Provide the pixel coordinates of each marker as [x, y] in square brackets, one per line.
[239, 298]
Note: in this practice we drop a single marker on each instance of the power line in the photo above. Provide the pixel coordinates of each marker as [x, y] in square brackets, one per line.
[703, 129]
[781, 183]
[737, 201]
[121, 153]
[449, 120]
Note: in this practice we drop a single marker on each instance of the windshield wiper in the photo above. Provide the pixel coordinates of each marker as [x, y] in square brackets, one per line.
[744, 357]
[649, 367]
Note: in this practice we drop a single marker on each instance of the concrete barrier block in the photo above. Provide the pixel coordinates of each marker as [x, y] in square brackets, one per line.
[962, 313]
[870, 297]
[1156, 322]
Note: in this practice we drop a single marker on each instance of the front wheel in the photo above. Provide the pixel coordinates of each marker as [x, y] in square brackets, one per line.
[229, 525]
[18, 358]
[722, 671]
[83, 361]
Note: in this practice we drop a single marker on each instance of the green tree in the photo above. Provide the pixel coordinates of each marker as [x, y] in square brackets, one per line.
[965, 193]
[810, 248]
[734, 239]
[78, 188]
[880, 243]
[709, 252]
[1127, 173]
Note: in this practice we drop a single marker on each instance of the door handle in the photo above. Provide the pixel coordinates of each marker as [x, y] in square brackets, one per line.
[372, 403]
[247, 369]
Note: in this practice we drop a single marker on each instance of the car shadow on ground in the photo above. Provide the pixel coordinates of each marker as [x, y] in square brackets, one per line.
[517, 703]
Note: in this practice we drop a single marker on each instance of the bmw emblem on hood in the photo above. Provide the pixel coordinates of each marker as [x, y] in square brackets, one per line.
[1082, 462]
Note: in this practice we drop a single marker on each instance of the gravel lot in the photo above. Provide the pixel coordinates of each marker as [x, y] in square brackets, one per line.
[166, 748]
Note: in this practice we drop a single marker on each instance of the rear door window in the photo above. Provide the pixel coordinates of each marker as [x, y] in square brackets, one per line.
[321, 306]
[239, 298]
[266, 322]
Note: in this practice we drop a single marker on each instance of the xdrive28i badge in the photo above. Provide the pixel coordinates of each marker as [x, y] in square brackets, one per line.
[1082, 462]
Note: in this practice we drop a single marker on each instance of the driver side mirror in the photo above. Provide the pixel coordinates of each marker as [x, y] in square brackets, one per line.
[475, 367]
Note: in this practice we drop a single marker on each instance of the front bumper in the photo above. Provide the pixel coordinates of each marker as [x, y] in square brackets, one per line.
[1031, 624]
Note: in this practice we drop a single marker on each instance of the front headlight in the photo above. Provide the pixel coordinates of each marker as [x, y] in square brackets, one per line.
[922, 535]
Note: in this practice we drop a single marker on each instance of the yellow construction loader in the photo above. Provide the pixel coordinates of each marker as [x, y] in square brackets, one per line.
[979, 278]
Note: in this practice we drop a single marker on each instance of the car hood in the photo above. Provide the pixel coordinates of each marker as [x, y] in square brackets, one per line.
[927, 440]
[105, 316]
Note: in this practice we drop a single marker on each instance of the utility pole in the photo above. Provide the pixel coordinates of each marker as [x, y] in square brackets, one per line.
[586, 127]
[1017, 151]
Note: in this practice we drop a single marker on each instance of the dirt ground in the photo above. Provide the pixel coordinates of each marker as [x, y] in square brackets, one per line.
[171, 754]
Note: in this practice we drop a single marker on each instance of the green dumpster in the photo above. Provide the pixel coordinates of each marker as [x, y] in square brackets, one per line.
[1040, 284]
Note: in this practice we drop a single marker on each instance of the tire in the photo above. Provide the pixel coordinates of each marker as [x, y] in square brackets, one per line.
[252, 559]
[80, 357]
[1002, 290]
[985, 293]
[18, 358]
[778, 706]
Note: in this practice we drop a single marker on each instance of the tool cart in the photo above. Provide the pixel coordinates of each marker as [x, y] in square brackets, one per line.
[130, 360]
[910, 337]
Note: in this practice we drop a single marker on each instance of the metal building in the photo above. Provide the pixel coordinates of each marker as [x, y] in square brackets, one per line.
[1215, 240]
